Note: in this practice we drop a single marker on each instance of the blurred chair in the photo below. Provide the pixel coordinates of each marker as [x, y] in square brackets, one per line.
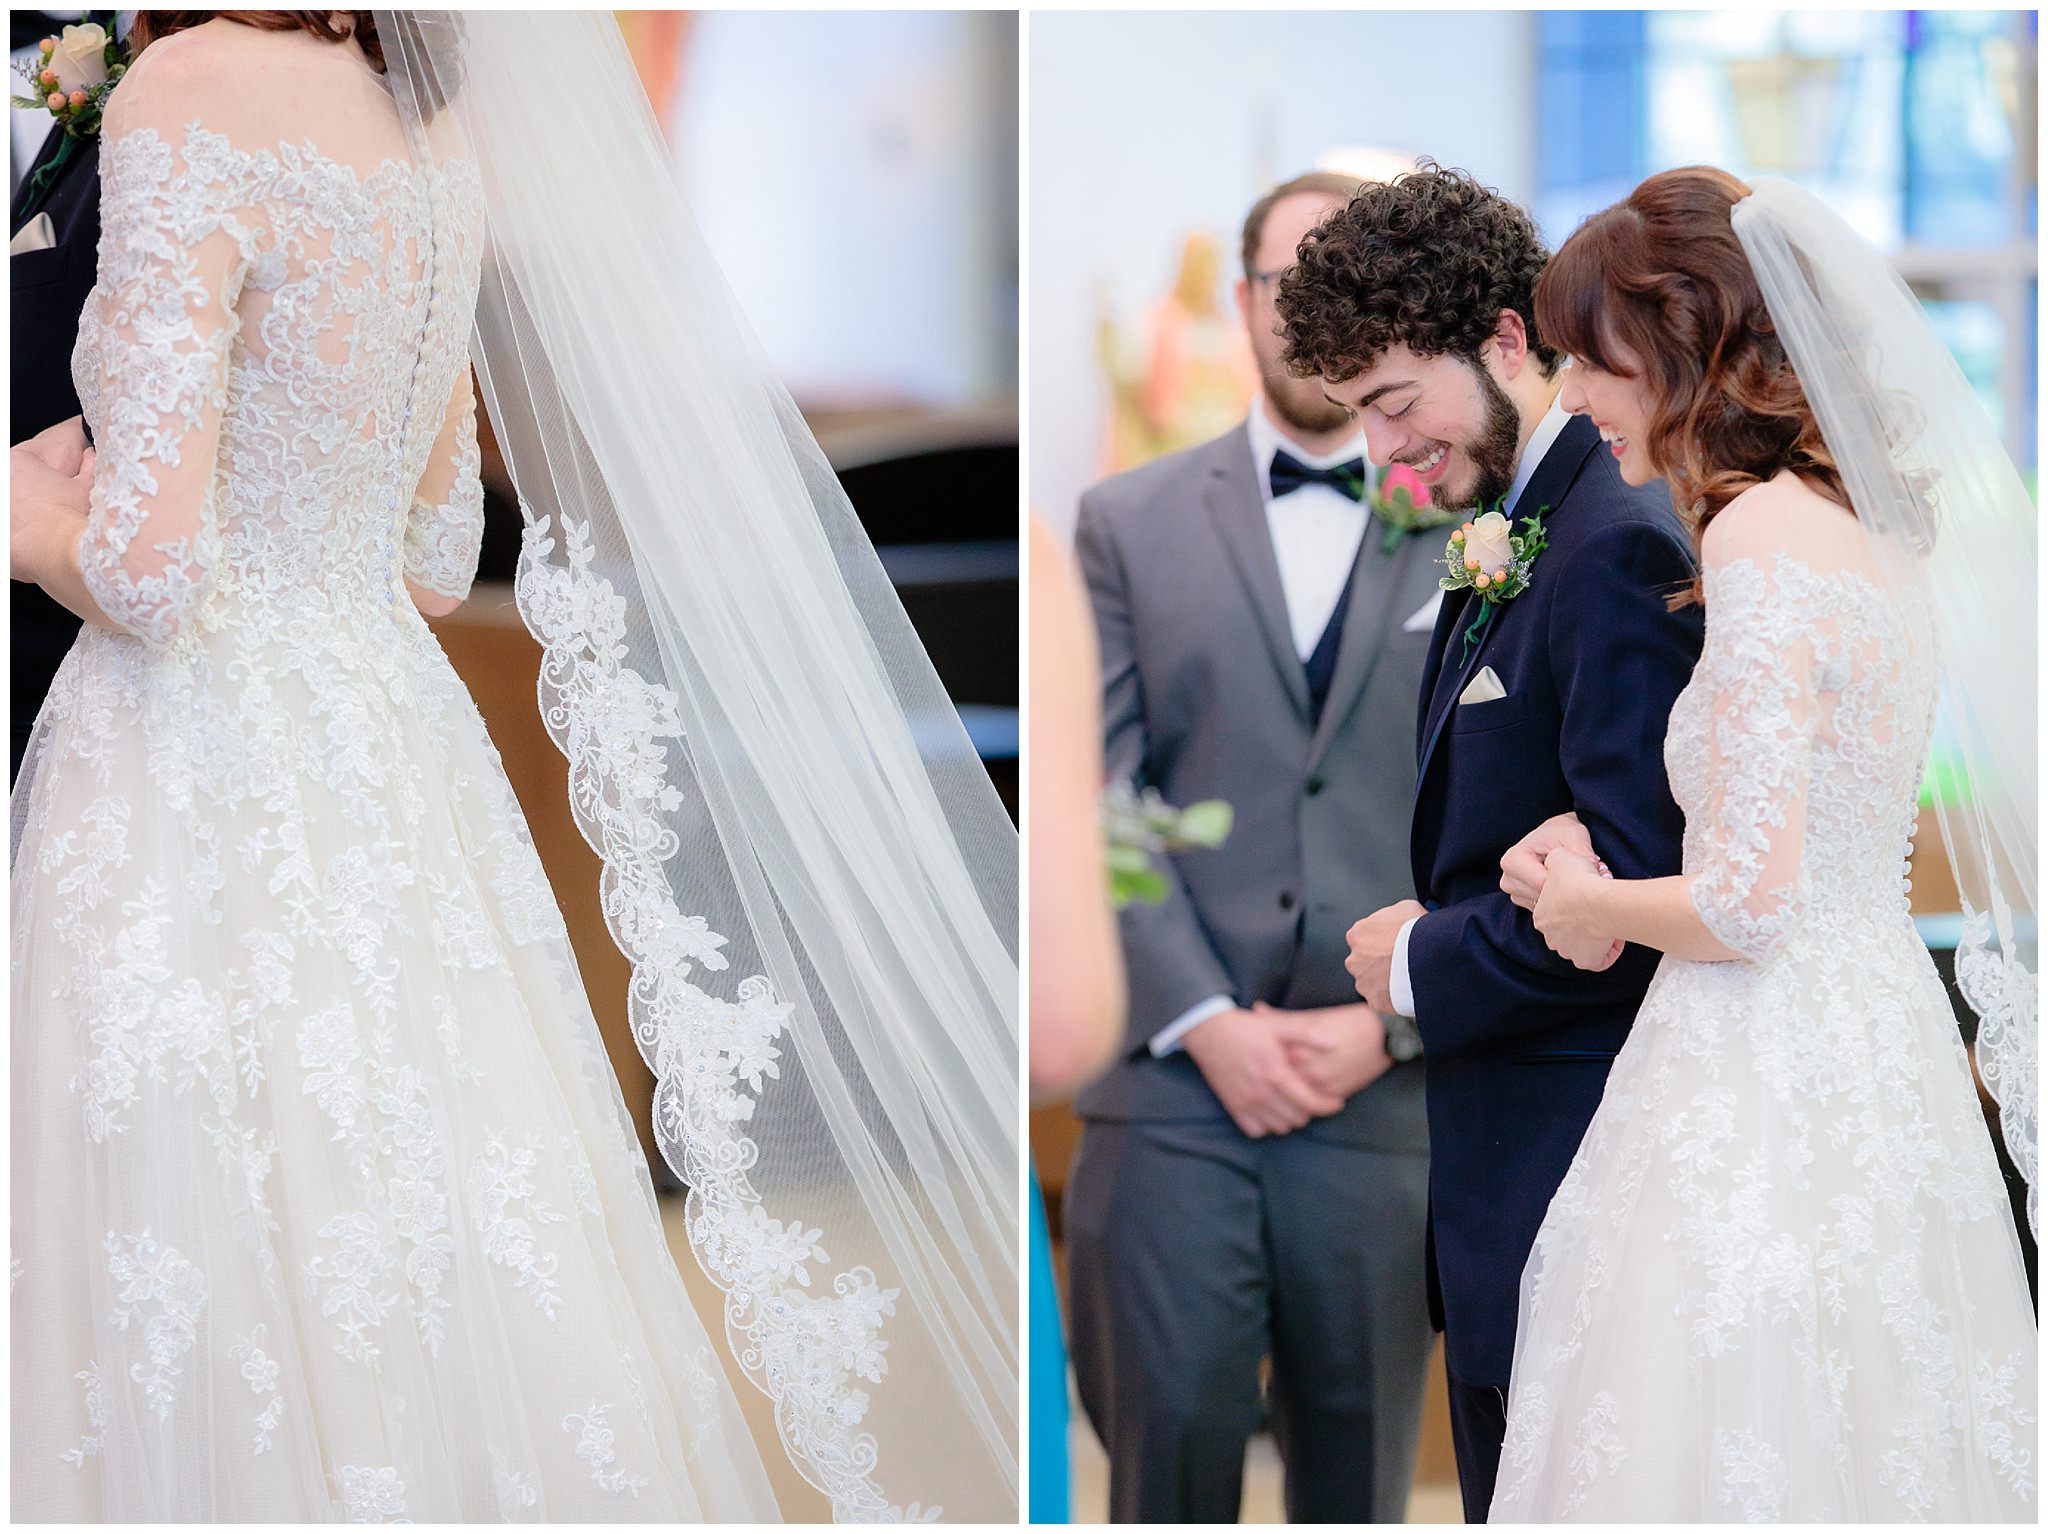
[938, 496]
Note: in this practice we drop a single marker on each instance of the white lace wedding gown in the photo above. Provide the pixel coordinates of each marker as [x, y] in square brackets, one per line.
[325, 1200]
[1781, 1280]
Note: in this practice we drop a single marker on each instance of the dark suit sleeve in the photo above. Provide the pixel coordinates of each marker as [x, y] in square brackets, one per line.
[1479, 969]
[1169, 961]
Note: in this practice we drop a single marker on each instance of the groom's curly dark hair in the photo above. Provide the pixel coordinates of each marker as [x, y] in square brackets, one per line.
[1427, 260]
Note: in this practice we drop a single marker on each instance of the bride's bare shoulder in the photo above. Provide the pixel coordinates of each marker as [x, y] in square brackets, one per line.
[198, 73]
[247, 83]
[1784, 514]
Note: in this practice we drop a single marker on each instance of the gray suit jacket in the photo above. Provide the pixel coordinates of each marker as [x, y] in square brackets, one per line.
[1205, 697]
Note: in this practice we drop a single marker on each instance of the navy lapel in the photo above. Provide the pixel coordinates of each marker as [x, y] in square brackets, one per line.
[1546, 488]
[1239, 513]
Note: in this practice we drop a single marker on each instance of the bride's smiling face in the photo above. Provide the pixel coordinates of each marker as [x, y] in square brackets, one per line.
[1619, 404]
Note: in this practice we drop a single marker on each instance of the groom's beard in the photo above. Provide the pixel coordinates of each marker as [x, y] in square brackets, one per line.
[1493, 452]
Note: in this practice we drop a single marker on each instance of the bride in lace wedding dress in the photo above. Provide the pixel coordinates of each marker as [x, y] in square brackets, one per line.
[1781, 1281]
[326, 1203]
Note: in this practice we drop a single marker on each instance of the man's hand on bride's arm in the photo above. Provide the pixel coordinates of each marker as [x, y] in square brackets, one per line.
[46, 516]
[1244, 1059]
[1521, 867]
[62, 447]
[1342, 1050]
[1371, 941]
[46, 510]
[1580, 910]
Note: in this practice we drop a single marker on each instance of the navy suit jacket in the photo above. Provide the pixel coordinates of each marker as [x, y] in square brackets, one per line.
[1518, 1041]
[50, 288]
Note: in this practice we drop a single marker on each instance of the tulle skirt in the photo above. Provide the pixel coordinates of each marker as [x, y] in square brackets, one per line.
[1781, 1281]
[325, 1201]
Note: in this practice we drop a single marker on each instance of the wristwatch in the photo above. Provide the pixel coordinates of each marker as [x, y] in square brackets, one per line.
[1404, 1039]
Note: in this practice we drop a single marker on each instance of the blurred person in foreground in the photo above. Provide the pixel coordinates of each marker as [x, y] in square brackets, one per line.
[1077, 981]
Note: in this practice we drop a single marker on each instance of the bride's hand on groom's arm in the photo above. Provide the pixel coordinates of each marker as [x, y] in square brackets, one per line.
[1567, 913]
[1244, 1058]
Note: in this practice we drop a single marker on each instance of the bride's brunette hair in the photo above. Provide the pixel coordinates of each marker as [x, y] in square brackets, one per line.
[329, 26]
[1663, 274]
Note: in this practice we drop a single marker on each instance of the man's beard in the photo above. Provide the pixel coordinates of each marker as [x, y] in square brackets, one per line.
[1494, 450]
[1306, 410]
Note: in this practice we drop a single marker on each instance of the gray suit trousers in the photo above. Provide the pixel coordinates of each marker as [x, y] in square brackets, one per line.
[1193, 1252]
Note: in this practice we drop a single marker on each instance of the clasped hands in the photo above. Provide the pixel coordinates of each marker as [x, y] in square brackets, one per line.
[49, 493]
[1274, 1070]
[1551, 873]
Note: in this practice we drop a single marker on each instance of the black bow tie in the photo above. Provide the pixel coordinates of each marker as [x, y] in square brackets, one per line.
[1289, 474]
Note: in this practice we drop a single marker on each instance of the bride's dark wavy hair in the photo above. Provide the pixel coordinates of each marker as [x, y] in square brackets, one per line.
[1663, 274]
[154, 26]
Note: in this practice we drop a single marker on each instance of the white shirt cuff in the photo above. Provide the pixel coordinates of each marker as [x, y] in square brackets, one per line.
[1399, 987]
[1167, 1039]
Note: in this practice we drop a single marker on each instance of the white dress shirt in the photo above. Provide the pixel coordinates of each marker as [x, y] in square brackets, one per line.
[1400, 984]
[1316, 531]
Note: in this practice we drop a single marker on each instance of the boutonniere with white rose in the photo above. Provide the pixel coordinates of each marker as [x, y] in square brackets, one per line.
[1401, 503]
[71, 76]
[1488, 556]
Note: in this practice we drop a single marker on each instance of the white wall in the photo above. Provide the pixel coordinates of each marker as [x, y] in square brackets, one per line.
[1143, 126]
[854, 174]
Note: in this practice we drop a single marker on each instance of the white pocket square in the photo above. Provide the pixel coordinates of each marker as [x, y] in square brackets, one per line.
[1423, 619]
[1483, 688]
[37, 234]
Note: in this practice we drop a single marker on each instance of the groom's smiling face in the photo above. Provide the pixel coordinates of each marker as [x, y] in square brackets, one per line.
[1446, 417]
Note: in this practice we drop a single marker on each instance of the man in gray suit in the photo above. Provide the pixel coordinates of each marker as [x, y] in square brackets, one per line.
[1252, 1177]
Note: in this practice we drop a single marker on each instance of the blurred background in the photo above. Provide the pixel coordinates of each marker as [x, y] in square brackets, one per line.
[1919, 126]
[1152, 134]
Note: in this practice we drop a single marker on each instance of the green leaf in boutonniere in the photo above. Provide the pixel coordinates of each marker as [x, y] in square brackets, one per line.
[1137, 827]
[1486, 555]
[1401, 502]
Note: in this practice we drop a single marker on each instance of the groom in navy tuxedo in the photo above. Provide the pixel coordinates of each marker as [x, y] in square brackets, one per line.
[1415, 306]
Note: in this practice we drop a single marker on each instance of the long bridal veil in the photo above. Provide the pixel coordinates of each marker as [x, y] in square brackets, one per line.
[803, 858]
[1929, 477]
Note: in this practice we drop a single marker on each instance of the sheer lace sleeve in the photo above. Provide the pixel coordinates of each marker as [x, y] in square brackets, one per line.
[1772, 661]
[178, 242]
[446, 527]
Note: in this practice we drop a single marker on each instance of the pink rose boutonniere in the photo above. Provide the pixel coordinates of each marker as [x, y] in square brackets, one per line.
[1401, 502]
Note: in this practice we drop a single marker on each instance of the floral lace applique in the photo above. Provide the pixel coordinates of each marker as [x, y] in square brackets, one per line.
[261, 1371]
[502, 1190]
[162, 1294]
[371, 1493]
[596, 1446]
[95, 1415]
